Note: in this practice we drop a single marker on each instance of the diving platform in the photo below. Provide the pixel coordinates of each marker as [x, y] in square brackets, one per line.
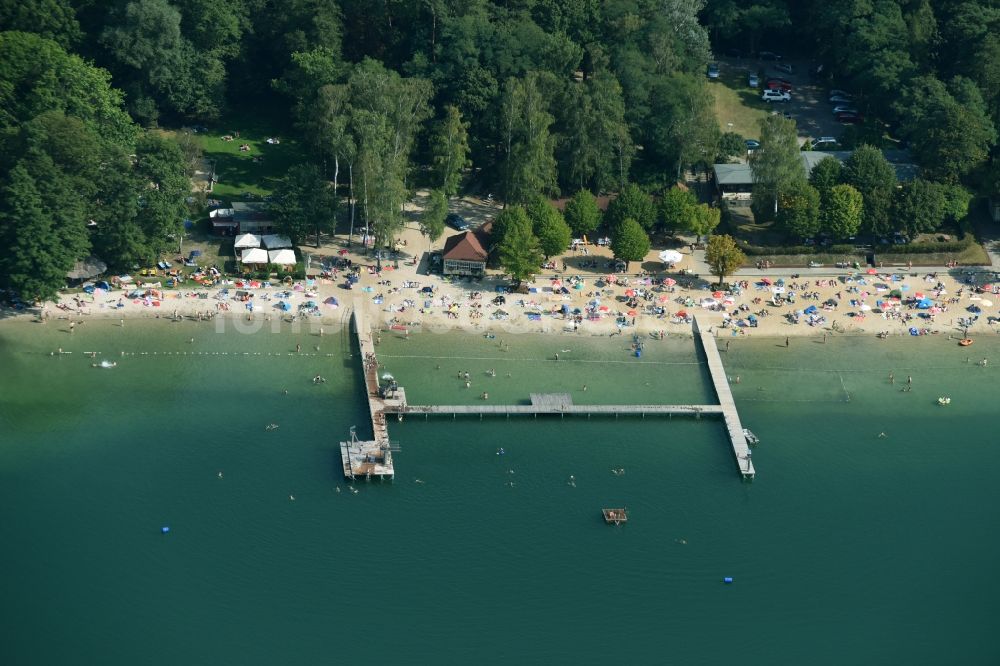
[737, 438]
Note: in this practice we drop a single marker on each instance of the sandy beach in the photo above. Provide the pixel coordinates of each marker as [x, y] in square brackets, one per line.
[576, 298]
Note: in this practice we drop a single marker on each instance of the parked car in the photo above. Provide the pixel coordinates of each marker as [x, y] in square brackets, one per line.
[899, 239]
[752, 144]
[850, 118]
[456, 221]
[752, 80]
[778, 84]
[783, 67]
[841, 99]
[823, 143]
[844, 108]
[775, 96]
[768, 55]
[713, 70]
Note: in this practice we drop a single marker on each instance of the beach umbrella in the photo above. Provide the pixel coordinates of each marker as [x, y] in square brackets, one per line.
[632, 313]
[780, 282]
[603, 308]
[310, 304]
[767, 281]
[872, 271]
[935, 310]
[630, 292]
[925, 304]
[332, 302]
[578, 285]
[919, 295]
[284, 305]
[716, 294]
[896, 293]
[577, 311]
[669, 282]
[811, 310]
[682, 314]
[609, 278]
[670, 256]
[664, 298]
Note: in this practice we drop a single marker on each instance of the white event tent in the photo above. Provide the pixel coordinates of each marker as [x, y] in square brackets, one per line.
[247, 240]
[282, 257]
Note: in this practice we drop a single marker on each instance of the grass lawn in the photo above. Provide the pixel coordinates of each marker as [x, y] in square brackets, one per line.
[737, 106]
[237, 172]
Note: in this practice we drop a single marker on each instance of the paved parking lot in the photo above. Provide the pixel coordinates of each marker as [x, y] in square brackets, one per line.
[808, 106]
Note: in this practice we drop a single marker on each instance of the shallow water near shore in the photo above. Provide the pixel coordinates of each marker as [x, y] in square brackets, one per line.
[850, 547]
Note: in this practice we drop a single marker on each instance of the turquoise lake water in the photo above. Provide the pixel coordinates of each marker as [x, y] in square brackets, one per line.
[848, 548]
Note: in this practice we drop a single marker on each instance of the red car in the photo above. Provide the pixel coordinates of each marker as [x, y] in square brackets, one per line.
[778, 84]
[850, 118]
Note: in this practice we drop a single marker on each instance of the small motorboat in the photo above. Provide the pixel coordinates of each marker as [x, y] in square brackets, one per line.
[751, 438]
[271, 426]
[965, 342]
[944, 401]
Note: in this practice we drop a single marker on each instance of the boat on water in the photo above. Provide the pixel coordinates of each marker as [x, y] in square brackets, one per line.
[944, 401]
[751, 438]
[615, 516]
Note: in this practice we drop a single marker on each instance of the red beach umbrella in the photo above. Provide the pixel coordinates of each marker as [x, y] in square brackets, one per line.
[630, 292]
[767, 281]
[632, 313]
[872, 271]
[682, 313]
[664, 298]
[669, 282]
[716, 294]
[603, 308]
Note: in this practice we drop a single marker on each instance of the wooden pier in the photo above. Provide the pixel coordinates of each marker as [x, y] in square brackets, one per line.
[371, 458]
[741, 448]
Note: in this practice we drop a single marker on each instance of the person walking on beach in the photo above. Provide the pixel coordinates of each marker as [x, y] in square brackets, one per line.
[786, 341]
[727, 345]
[909, 380]
[892, 378]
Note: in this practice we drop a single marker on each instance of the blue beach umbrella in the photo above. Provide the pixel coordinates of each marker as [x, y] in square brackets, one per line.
[924, 303]
[811, 310]
[284, 305]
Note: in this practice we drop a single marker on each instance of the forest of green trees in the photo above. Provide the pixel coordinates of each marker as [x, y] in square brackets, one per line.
[525, 98]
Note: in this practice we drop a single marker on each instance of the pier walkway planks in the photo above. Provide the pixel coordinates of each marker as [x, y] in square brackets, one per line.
[741, 449]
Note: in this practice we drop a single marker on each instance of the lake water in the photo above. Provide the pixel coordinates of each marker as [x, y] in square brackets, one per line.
[848, 548]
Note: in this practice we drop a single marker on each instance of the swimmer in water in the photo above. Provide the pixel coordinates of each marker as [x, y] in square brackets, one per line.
[682, 542]
[291, 497]
[882, 435]
[418, 481]
[219, 475]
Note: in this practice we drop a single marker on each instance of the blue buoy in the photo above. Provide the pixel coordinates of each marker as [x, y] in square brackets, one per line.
[727, 580]
[164, 529]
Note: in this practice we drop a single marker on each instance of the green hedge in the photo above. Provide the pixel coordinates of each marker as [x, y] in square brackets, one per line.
[910, 248]
[927, 248]
[770, 250]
